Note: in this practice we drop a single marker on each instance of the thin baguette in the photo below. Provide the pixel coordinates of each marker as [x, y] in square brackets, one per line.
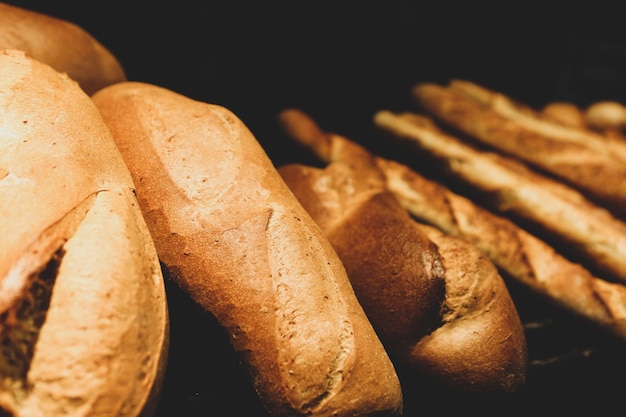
[593, 233]
[592, 163]
[521, 255]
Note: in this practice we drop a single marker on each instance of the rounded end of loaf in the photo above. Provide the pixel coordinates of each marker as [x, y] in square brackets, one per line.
[61, 44]
[606, 115]
[481, 345]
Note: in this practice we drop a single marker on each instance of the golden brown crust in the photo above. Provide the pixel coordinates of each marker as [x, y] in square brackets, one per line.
[76, 255]
[595, 235]
[524, 257]
[592, 163]
[396, 272]
[480, 345]
[435, 305]
[606, 116]
[62, 45]
[564, 113]
[237, 240]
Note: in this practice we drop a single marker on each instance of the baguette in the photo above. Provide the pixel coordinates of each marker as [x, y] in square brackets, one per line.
[524, 257]
[592, 232]
[435, 300]
[83, 312]
[238, 242]
[61, 44]
[592, 163]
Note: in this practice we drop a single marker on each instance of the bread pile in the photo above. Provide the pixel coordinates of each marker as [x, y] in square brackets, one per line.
[524, 203]
[329, 282]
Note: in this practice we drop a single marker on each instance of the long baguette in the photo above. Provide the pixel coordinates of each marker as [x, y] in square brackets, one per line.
[436, 300]
[536, 122]
[238, 242]
[592, 163]
[524, 257]
[593, 233]
[61, 44]
[83, 314]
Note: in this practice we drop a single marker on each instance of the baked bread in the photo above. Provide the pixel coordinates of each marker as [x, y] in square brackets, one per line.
[63, 45]
[606, 116]
[565, 113]
[522, 256]
[592, 233]
[83, 312]
[592, 163]
[235, 238]
[436, 301]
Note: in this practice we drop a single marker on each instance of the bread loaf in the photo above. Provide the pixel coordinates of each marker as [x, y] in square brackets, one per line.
[593, 164]
[235, 238]
[522, 256]
[592, 233]
[437, 302]
[606, 116]
[83, 313]
[61, 44]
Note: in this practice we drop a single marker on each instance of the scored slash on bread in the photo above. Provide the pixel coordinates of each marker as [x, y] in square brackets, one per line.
[592, 232]
[594, 164]
[84, 322]
[437, 302]
[521, 255]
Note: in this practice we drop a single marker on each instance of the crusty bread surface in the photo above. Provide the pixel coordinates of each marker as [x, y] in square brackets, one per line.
[522, 256]
[436, 300]
[61, 44]
[594, 164]
[83, 313]
[236, 239]
[593, 234]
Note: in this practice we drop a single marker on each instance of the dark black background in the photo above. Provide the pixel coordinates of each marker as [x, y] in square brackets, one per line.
[341, 62]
